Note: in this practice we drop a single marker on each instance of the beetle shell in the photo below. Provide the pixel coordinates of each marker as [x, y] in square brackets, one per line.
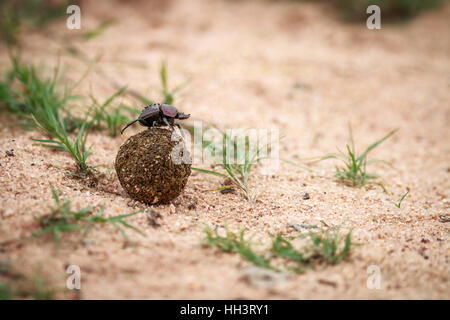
[149, 112]
[168, 110]
[159, 114]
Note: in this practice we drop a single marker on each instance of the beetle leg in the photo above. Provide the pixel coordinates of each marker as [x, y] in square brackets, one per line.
[181, 130]
[129, 124]
[167, 122]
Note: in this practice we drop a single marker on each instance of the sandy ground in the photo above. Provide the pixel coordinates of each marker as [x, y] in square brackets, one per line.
[253, 64]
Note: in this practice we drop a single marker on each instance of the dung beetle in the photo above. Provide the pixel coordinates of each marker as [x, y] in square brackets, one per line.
[159, 115]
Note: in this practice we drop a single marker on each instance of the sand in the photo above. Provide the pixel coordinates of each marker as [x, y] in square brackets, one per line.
[251, 64]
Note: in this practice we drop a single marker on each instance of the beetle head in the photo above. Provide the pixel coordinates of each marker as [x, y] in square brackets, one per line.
[182, 115]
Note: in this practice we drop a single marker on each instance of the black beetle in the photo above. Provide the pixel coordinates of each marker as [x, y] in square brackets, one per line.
[159, 115]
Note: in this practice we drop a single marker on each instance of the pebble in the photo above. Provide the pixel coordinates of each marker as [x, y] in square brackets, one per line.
[304, 225]
[263, 278]
[87, 242]
[305, 196]
[153, 216]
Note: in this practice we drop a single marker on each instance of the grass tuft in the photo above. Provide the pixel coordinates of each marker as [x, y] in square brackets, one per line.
[37, 102]
[322, 247]
[110, 119]
[329, 247]
[236, 243]
[18, 285]
[354, 172]
[237, 166]
[75, 147]
[26, 93]
[29, 288]
[62, 219]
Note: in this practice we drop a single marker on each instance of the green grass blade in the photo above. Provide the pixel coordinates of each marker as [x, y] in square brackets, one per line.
[374, 145]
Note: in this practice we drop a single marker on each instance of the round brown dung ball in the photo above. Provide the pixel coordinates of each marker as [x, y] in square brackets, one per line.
[145, 167]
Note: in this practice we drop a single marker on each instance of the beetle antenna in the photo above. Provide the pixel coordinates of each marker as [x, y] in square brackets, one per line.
[129, 124]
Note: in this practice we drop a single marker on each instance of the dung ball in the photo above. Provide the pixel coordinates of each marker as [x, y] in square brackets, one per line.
[152, 167]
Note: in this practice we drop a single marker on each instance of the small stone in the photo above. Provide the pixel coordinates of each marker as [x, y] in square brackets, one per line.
[192, 206]
[422, 252]
[301, 226]
[327, 283]
[87, 242]
[10, 153]
[263, 278]
[305, 195]
[153, 216]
